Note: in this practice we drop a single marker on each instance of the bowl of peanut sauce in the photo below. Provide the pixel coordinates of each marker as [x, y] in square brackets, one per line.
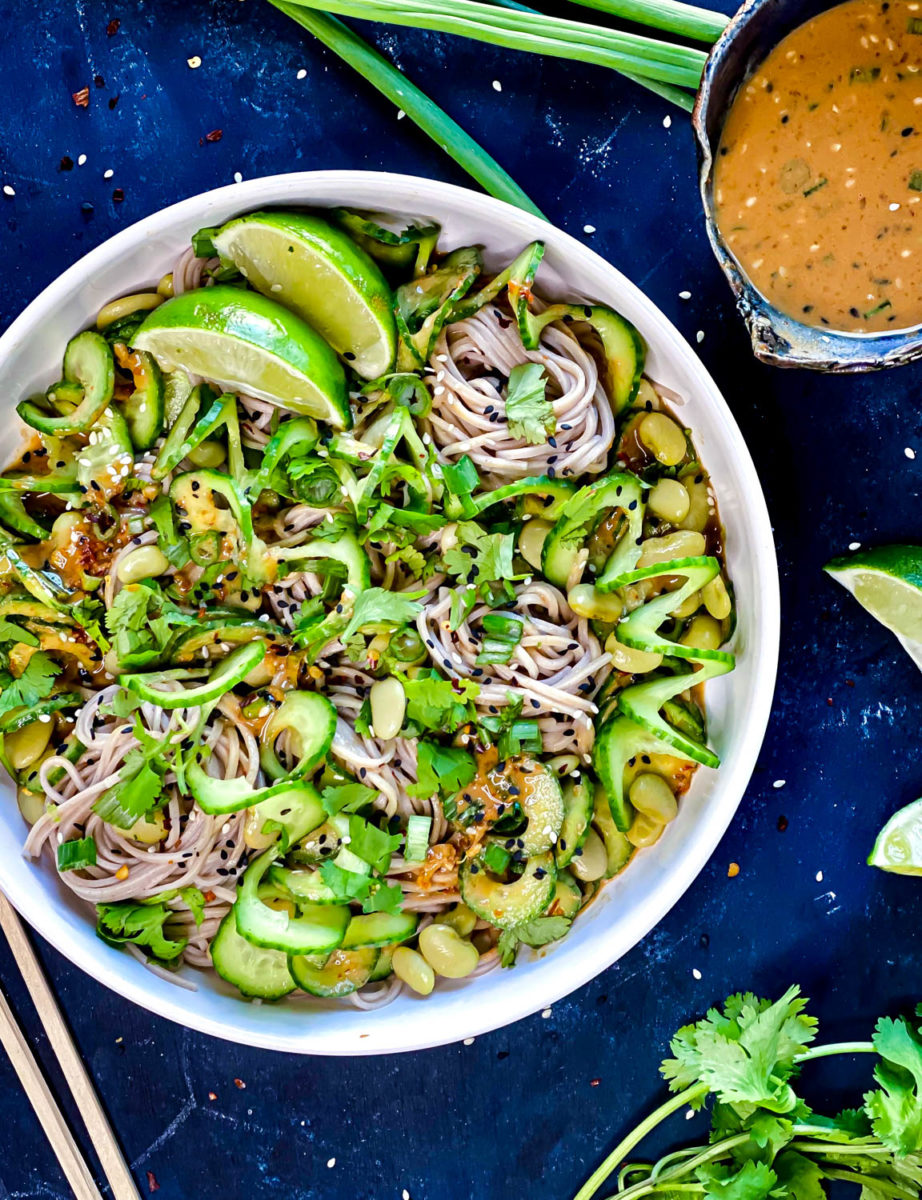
[809, 128]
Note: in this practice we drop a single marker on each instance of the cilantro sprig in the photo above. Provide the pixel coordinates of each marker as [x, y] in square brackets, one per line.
[766, 1143]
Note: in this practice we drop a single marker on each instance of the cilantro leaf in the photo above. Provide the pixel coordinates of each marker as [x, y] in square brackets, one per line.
[141, 924]
[346, 885]
[11, 632]
[480, 558]
[194, 899]
[133, 796]
[753, 1181]
[379, 606]
[895, 1108]
[172, 543]
[34, 684]
[371, 844]
[529, 413]
[441, 770]
[383, 897]
[537, 932]
[439, 704]
[745, 1054]
[800, 1176]
[348, 797]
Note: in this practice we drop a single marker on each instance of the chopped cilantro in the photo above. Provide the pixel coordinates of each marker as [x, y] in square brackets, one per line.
[441, 770]
[529, 413]
[438, 704]
[34, 684]
[143, 925]
[538, 932]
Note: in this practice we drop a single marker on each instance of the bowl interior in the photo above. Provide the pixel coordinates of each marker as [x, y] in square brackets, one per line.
[30, 352]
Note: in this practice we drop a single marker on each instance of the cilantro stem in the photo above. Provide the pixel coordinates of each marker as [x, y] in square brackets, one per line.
[857, 1177]
[664, 1177]
[836, 1048]
[602, 1172]
[837, 1148]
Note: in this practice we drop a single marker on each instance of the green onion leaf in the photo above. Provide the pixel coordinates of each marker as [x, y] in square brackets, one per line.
[496, 858]
[461, 478]
[521, 735]
[77, 854]
[417, 838]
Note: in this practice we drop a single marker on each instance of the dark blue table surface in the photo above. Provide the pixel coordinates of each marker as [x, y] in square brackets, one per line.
[532, 1106]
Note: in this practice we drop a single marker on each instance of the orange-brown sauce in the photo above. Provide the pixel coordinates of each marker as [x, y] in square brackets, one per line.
[818, 180]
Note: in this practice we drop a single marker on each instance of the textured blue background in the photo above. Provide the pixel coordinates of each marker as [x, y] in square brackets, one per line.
[534, 1105]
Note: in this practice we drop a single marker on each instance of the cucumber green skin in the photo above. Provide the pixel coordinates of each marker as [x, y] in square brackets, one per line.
[226, 675]
[384, 966]
[542, 803]
[55, 483]
[313, 718]
[517, 277]
[173, 450]
[188, 645]
[617, 741]
[43, 585]
[315, 930]
[253, 970]
[13, 515]
[563, 544]
[295, 805]
[144, 409]
[558, 492]
[508, 904]
[618, 850]
[639, 628]
[88, 362]
[255, 319]
[567, 899]
[18, 717]
[315, 975]
[351, 260]
[379, 929]
[21, 604]
[577, 817]
[345, 550]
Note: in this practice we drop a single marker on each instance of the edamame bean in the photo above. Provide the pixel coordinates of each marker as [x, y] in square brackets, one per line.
[651, 794]
[208, 454]
[681, 544]
[688, 607]
[669, 501]
[626, 658]
[644, 831]
[26, 745]
[704, 633]
[149, 830]
[143, 563]
[663, 438]
[460, 918]
[125, 306]
[699, 512]
[253, 835]
[412, 969]
[531, 540]
[447, 952]
[165, 286]
[588, 601]
[592, 862]
[31, 805]
[716, 598]
[388, 703]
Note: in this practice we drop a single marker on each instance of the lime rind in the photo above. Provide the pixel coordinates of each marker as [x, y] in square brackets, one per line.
[319, 273]
[898, 848]
[887, 582]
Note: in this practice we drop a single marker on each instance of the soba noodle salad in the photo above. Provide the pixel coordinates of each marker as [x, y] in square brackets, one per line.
[355, 607]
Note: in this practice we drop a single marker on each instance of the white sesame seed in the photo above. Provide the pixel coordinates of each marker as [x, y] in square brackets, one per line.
[685, 295]
[8, 190]
[909, 452]
[779, 783]
[468, 1041]
[699, 336]
[497, 86]
[819, 877]
[588, 229]
[302, 74]
[854, 545]
[44, 718]
[696, 974]
[194, 62]
[545, 1013]
[689, 1114]
[81, 160]
[331, 1162]
[667, 122]
[238, 178]
[894, 206]
[404, 1195]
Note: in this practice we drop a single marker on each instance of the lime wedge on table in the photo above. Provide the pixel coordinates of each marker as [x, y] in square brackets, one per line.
[888, 582]
[247, 343]
[899, 844]
[322, 275]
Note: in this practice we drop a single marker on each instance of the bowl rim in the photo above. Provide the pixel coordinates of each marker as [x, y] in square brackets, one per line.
[701, 840]
[778, 338]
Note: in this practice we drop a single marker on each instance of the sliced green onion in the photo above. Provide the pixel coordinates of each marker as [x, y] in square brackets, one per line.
[461, 477]
[416, 104]
[496, 858]
[502, 634]
[521, 735]
[77, 854]
[417, 838]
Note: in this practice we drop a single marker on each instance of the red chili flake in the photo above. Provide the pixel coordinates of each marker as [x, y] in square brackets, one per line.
[829, 701]
[239, 1083]
[113, 100]
[152, 1184]
[214, 136]
[849, 683]
[118, 195]
[782, 824]
[594, 1082]
[66, 163]
[98, 81]
[81, 98]
[212, 1095]
[113, 27]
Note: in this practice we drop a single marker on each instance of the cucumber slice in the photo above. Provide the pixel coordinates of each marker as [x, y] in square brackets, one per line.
[295, 806]
[639, 628]
[87, 362]
[299, 434]
[554, 494]
[518, 277]
[384, 966]
[642, 702]
[340, 974]
[567, 899]
[581, 514]
[618, 850]
[254, 970]
[302, 886]
[379, 929]
[345, 549]
[312, 719]
[190, 644]
[315, 930]
[103, 462]
[13, 516]
[144, 409]
[617, 741]
[226, 675]
[174, 448]
[577, 817]
[16, 718]
[508, 904]
[541, 801]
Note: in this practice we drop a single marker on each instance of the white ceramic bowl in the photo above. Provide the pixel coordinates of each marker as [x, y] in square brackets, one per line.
[738, 704]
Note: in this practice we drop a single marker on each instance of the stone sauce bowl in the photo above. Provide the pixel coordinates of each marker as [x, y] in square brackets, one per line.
[777, 338]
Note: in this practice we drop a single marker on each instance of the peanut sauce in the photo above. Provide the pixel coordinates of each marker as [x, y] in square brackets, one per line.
[818, 179]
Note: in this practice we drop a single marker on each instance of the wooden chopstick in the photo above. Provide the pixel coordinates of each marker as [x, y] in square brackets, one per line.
[97, 1124]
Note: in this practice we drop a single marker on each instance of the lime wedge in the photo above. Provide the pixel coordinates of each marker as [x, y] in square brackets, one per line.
[887, 581]
[899, 844]
[246, 343]
[322, 275]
